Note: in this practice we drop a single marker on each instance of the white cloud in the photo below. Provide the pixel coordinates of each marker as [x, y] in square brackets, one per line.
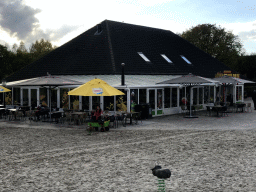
[5, 38]
[60, 21]
[152, 2]
[239, 27]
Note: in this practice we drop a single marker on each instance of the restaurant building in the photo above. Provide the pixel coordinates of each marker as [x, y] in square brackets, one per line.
[149, 55]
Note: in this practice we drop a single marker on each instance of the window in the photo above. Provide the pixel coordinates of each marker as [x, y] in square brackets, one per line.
[143, 56]
[185, 59]
[166, 58]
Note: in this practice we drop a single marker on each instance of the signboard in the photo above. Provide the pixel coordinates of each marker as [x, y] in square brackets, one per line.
[97, 91]
[228, 73]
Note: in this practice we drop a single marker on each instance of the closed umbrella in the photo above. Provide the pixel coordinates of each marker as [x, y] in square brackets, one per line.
[95, 87]
[189, 81]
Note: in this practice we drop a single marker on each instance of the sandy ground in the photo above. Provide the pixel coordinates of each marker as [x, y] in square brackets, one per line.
[44, 158]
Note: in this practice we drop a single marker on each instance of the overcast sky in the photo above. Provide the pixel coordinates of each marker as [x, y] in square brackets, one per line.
[61, 20]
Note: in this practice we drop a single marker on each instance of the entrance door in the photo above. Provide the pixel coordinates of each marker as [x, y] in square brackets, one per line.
[160, 103]
[156, 101]
[25, 97]
[152, 101]
[33, 97]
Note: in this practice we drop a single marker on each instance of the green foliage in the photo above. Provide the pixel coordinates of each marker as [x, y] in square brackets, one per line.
[41, 48]
[246, 65]
[18, 57]
[220, 44]
[6, 60]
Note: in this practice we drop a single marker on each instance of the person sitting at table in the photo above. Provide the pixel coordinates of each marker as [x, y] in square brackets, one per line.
[41, 110]
[37, 112]
[97, 115]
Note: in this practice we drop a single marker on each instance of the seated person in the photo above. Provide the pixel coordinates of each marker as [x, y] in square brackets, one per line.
[41, 110]
[37, 112]
[97, 115]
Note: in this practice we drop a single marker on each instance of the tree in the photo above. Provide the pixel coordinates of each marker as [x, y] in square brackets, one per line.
[22, 58]
[41, 48]
[14, 48]
[246, 65]
[22, 48]
[18, 57]
[6, 59]
[220, 44]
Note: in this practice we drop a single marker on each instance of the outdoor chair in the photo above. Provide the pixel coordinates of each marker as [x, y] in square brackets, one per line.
[77, 119]
[20, 115]
[137, 117]
[121, 118]
[113, 121]
[184, 108]
[10, 116]
[248, 107]
[4, 114]
[231, 108]
[84, 117]
[31, 115]
[67, 117]
[209, 111]
[224, 111]
[239, 107]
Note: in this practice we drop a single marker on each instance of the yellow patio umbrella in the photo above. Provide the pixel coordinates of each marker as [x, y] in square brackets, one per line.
[95, 87]
[3, 89]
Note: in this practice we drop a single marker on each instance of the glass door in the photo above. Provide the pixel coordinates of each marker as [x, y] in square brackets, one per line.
[156, 101]
[33, 96]
[25, 97]
[152, 102]
[159, 101]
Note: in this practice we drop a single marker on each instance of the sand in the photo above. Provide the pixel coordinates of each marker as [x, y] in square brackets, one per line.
[39, 159]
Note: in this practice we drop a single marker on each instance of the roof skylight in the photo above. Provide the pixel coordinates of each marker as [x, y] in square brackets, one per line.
[185, 59]
[143, 56]
[166, 58]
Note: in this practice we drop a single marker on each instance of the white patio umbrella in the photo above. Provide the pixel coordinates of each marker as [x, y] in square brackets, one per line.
[228, 80]
[189, 80]
[49, 82]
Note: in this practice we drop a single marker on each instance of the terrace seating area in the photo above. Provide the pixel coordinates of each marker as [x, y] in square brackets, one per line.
[78, 118]
[218, 109]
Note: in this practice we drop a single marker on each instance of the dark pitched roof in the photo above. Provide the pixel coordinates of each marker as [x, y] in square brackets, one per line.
[103, 48]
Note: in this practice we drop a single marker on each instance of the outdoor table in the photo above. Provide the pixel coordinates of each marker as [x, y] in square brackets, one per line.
[25, 108]
[131, 115]
[209, 109]
[240, 106]
[2, 111]
[56, 115]
[77, 113]
[13, 111]
[217, 108]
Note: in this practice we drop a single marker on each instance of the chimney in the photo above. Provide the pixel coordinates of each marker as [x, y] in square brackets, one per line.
[122, 83]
